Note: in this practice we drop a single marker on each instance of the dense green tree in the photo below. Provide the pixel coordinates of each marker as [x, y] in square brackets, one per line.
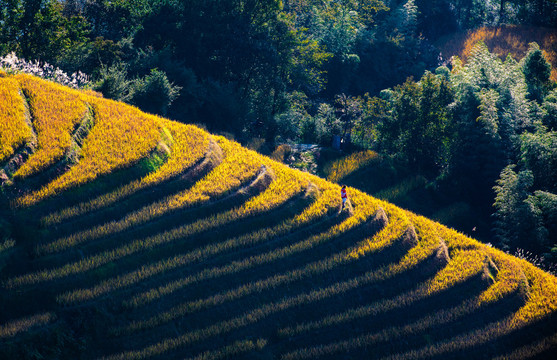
[537, 71]
[366, 130]
[419, 125]
[545, 205]
[524, 219]
[113, 83]
[550, 111]
[332, 125]
[515, 218]
[11, 12]
[491, 110]
[116, 19]
[538, 153]
[154, 93]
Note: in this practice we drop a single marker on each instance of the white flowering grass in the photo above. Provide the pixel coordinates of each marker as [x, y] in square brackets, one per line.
[12, 64]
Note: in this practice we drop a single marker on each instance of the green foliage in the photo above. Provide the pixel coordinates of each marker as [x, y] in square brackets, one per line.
[550, 107]
[538, 153]
[154, 93]
[537, 71]
[366, 132]
[326, 116]
[544, 205]
[491, 110]
[349, 110]
[418, 127]
[290, 123]
[514, 215]
[113, 83]
[489, 117]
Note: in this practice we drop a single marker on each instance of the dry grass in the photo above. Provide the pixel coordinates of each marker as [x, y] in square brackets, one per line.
[341, 168]
[55, 113]
[189, 144]
[122, 136]
[15, 327]
[14, 130]
[505, 40]
[247, 314]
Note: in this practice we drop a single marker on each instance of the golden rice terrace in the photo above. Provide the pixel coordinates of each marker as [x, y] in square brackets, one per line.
[128, 236]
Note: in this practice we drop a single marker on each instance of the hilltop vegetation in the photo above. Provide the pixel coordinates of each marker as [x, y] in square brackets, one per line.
[375, 74]
[126, 235]
[504, 41]
[191, 246]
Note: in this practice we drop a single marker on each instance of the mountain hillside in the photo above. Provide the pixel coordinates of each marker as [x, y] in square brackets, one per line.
[503, 40]
[129, 236]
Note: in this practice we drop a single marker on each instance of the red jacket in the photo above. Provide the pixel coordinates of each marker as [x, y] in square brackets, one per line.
[343, 193]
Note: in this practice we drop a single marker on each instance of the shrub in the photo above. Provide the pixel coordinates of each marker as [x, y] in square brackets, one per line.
[154, 93]
[113, 83]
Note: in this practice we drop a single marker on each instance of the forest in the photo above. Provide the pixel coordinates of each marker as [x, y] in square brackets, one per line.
[371, 72]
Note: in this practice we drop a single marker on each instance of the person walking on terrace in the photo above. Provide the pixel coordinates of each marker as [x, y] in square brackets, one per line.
[343, 196]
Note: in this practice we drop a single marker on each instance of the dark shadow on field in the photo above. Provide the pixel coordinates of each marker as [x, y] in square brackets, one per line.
[227, 282]
[102, 184]
[548, 354]
[371, 293]
[507, 343]
[143, 257]
[289, 211]
[197, 241]
[268, 326]
[27, 230]
[426, 197]
[161, 224]
[438, 333]
[130, 203]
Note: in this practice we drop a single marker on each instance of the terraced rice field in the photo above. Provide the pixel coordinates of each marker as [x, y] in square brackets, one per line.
[161, 241]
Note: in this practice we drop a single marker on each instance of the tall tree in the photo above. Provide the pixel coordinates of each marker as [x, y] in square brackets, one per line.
[537, 71]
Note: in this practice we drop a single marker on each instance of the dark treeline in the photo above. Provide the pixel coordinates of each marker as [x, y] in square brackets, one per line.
[489, 122]
[244, 66]
[307, 70]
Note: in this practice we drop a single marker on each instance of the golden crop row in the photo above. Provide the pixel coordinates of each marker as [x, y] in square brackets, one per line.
[229, 351]
[442, 280]
[189, 145]
[542, 295]
[538, 288]
[280, 191]
[249, 317]
[280, 253]
[244, 290]
[398, 223]
[276, 194]
[459, 263]
[237, 167]
[309, 215]
[12, 328]
[341, 168]
[14, 130]
[509, 277]
[429, 241]
[7, 244]
[439, 317]
[122, 135]
[55, 111]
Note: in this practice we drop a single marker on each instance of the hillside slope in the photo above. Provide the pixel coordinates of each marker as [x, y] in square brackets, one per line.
[504, 40]
[129, 236]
